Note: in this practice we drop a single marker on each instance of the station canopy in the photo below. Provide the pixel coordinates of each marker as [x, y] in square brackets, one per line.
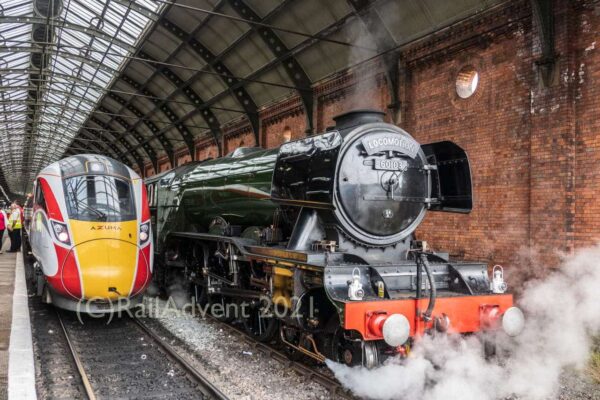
[138, 80]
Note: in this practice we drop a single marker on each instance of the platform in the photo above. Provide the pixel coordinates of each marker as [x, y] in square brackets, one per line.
[17, 371]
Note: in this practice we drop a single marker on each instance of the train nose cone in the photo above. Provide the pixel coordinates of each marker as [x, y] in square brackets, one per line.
[107, 267]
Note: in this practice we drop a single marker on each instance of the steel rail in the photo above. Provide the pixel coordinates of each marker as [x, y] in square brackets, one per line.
[84, 378]
[207, 388]
[331, 384]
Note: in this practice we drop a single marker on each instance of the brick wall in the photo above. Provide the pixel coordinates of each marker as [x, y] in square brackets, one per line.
[348, 92]
[164, 165]
[281, 121]
[493, 126]
[182, 158]
[243, 138]
[534, 150]
[585, 77]
[532, 147]
[206, 150]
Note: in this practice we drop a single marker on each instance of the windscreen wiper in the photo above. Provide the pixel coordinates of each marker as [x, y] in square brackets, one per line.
[99, 213]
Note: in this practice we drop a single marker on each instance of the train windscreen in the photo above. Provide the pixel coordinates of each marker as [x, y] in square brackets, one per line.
[99, 198]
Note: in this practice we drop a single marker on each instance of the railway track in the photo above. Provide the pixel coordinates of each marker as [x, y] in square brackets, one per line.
[310, 373]
[131, 364]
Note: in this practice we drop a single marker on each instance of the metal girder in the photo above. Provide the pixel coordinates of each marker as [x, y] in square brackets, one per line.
[163, 105]
[168, 148]
[47, 90]
[147, 148]
[86, 145]
[219, 58]
[104, 148]
[383, 41]
[209, 117]
[243, 97]
[185, 133]
[111, 138]
[543, 13]
[109, 146]
[66, 54]
[139, 8]
[92, 150]
[164, 141]
[269, 66]
[293, 68]
[87, 29]
[29, 71]
[137, 136]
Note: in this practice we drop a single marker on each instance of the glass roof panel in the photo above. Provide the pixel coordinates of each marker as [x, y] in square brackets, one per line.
[56, 86]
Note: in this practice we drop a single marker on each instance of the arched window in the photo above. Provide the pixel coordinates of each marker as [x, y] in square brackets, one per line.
[287, 134]
[467, 81]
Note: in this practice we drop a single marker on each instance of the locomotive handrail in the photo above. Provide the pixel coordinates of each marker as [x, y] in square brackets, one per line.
[423, 262]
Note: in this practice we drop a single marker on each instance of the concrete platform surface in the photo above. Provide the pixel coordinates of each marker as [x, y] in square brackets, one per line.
[17, 369]
[7, 278]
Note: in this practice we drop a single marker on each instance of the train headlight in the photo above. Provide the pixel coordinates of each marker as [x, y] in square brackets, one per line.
[396, 330]
[513, 321]
[144, 232]
[61, 232]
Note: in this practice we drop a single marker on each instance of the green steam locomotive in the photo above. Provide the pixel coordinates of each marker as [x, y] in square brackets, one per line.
[316, 238]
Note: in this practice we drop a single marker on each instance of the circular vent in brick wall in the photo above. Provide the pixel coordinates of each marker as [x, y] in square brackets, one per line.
[466, 81]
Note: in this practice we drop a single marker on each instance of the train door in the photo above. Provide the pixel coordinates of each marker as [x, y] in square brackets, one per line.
[40, 234]
[151, 191]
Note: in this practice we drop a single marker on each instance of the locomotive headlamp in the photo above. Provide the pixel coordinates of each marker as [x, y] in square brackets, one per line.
[144, 232]
[513, 321]
[396, 330]
[61, 232]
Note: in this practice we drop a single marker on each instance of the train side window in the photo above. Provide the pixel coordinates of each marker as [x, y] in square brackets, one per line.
[152, 194]
[39, 197]
[149, 194]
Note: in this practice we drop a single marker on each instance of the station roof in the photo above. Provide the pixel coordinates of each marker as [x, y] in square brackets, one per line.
[138, 79]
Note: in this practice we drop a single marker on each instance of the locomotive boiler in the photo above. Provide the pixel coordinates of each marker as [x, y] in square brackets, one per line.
[317, 237]
[90, 235]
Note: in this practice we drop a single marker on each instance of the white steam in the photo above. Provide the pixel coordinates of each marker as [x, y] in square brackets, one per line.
[563, 313]
[178, 295]
[363, 93]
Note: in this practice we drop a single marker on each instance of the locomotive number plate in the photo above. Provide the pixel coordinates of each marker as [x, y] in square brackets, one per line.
[390, 165]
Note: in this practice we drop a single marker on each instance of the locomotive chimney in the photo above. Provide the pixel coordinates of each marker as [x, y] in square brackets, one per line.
[354, 118]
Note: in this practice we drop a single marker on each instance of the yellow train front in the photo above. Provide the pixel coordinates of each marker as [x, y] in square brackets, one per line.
[90, 235]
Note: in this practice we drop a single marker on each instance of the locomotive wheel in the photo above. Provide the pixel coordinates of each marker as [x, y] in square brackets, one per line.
[260, 326]
[195, 260]
[350, 352]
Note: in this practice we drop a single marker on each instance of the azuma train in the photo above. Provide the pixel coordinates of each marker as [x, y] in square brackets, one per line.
[90, 235]
[317, 237]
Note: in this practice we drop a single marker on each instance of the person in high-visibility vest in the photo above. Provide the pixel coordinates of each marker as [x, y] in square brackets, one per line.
[14, 228]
